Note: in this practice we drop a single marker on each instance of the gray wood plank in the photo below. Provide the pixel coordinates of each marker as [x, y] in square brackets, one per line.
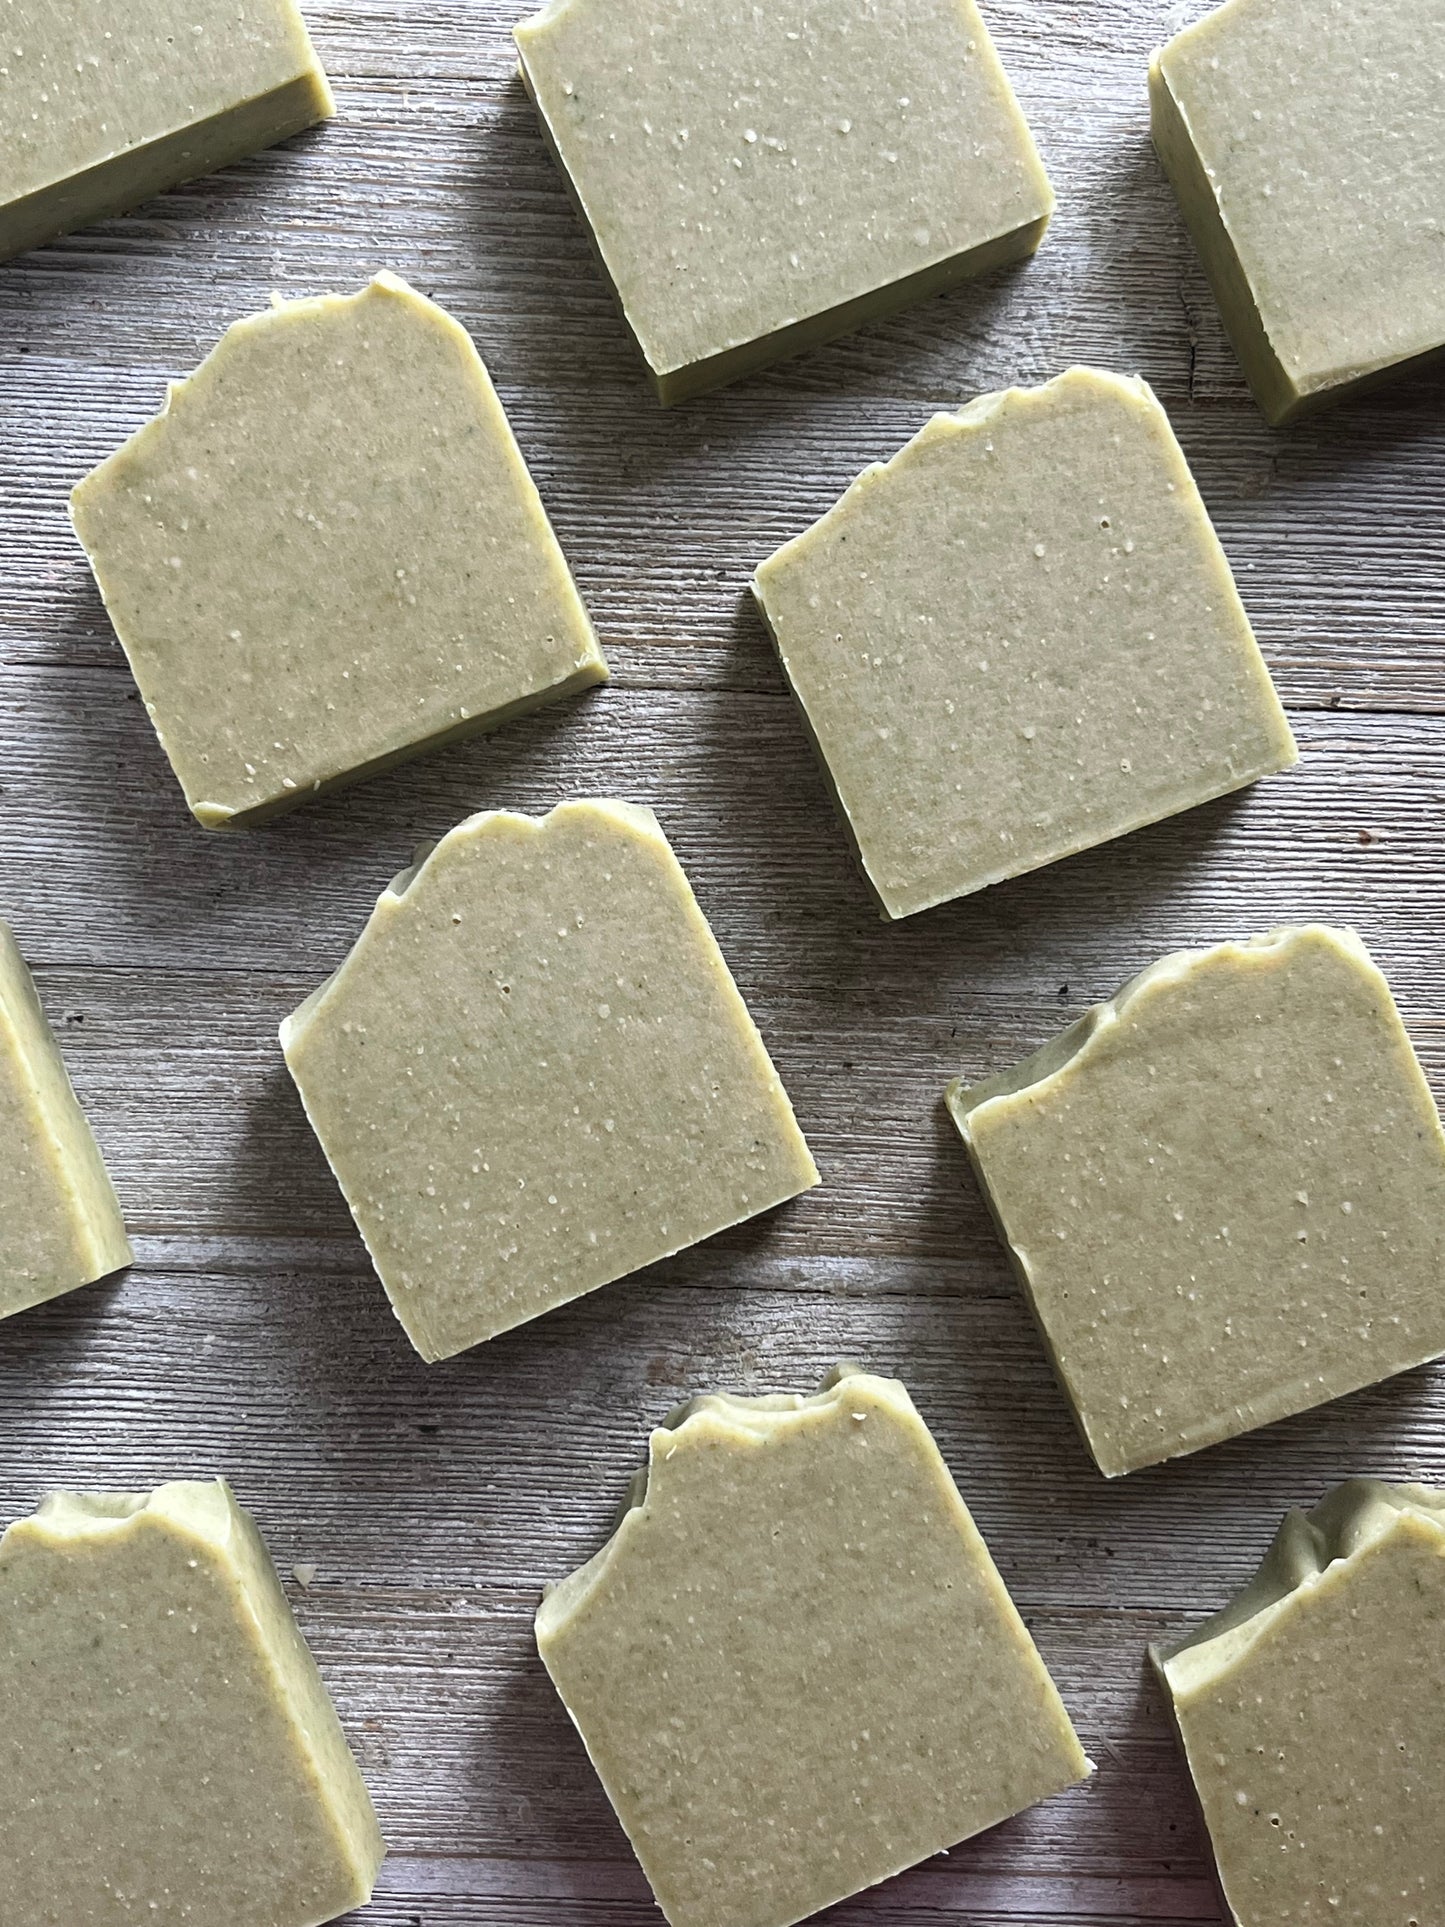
[251, 1337]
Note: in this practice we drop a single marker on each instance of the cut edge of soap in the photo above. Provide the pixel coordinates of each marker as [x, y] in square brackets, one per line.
[680, 382]
[207, 1512]
[973, 418]
[591, 667]
[753, 1423]
[1030, 1082]
[1312, 1550]
[166, 161]
[1283, 398]
[634, 819]
[73, 1151]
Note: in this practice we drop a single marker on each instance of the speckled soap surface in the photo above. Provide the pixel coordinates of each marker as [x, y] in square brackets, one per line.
[794, 1665]
[1309, 1712]
[327, 555]
[1306, 142]
[534, 1073]
[1018, 638]
[758, 178]
[169, 1756]
[105, 105]
[1224, 1193]
[60, 1222]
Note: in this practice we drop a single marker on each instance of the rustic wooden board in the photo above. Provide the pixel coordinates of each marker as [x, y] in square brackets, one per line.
[251, 1337]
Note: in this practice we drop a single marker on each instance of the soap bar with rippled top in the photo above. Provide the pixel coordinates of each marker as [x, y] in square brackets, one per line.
[1311, 1721]
[758, 179]
[327, 555]
[534, 1073]
[168, 1751]
[1223, 1191]
[60, 1223]
[104, 106]
[1018, 638]
[794, 1665]
[1306, 142]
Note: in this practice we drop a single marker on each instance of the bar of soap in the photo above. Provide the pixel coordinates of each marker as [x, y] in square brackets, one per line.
[104, 106]
[1224, 1193]
[756, 180]
[1019, 638]
[534, 1073]
[168, 1752]
[1310, 1716]
[326, 555]
[1306, 144]
[794, 1665]
[60, 1222]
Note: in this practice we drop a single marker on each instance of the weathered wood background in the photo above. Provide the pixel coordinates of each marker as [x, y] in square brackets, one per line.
[251, 1337]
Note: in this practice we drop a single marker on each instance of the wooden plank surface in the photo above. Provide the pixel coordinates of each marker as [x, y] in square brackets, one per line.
[252, 1339]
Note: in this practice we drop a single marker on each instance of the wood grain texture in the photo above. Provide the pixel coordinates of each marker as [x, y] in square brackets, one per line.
[251, 1337]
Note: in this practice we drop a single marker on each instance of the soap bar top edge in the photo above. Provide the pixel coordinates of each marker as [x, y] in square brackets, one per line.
[1042, 1070]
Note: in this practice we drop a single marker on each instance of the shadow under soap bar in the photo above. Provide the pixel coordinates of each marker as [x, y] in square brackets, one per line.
[326, 555]
[794, 1665]
[60, 1222]
[104, 105]
[1310, 1716]
[168, 1751]
[1224, 1193]
[759, 179]
[534, 1073]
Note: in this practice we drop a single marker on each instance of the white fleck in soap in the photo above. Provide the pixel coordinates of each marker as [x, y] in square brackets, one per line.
[1019, 638]
[534, 1073]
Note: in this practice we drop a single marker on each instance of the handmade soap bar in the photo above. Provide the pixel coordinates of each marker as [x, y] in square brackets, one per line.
[1311, 1718]
[1018, 638]
[1306, 142]
[757, 179]
[103, 106]
[837, 1683]
[1224, 1192]
[60, 1223]
[168, 1753]
[327, 555]
[534, 1074]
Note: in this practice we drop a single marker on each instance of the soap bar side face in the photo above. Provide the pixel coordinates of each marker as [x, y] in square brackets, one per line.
[161, 1713]
[743, 171]
[837, 1682]
[535, 1074]
[60, 1222]
[1228, 1204]
[105, 107]
[1307, 145]
[327, 554]
[1019, 638]
[1318, 1751]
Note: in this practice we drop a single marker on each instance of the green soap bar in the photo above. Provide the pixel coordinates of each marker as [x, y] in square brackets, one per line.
[1309, 1714]
[103, 106]
[794, 1665]
[60, 1223]
[1018, 638]
[1306, 142]
[327, 555]
[756, 180]
[168, 1752]
[1224, 1193]
[534, 1073]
